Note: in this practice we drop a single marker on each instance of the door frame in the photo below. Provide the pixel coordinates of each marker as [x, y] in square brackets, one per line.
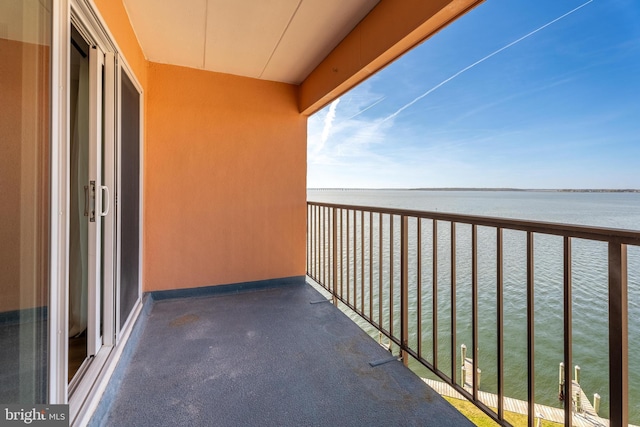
[99, 309]
[86, 394]
[97, 144]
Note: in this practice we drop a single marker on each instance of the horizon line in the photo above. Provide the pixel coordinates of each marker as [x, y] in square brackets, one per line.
[581, 190]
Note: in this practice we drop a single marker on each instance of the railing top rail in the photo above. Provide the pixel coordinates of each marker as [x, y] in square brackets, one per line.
[621, 236]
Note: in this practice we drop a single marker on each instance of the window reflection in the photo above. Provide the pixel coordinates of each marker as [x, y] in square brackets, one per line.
[25, 41]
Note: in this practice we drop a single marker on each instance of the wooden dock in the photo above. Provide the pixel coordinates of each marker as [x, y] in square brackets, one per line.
[586, 417]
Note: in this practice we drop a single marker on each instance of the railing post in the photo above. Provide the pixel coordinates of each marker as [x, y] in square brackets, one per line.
[362, 257]
[348, 260]
[454, 345]
[325, 231]
[380, 270]
[310, 228]
[391, 307]
[334, 264]
[341, 251]
[474, 310]
[434, 294]
[618, 336]
[531, 377]
[316, 240]
[371, 266]
[500, 320]
[308, 238]
[419, 283]
[565, 375]
[404, 289]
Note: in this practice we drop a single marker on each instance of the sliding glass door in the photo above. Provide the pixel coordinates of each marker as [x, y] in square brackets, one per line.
[59, 320]
[105, 110]
[89, 200]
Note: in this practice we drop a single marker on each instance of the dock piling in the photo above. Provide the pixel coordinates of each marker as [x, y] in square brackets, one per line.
[576, 374]
[463, 351]
[561, 381]
[578, 402]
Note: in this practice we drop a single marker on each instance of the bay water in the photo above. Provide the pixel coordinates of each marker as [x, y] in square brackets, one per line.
[589, 274]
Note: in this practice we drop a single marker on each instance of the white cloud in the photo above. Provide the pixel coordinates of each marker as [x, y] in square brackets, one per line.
[348, 148]
[351, 149]
[328, 122]
[344, 135]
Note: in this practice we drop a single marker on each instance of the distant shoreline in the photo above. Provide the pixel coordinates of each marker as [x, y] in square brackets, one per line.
[540, 190]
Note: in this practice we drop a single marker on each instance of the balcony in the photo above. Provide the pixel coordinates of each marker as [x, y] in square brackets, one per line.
[400, 273]
[280, 353]
[280, 356]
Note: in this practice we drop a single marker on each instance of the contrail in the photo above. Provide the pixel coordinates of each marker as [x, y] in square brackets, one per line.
[370, 106]
[401, 109]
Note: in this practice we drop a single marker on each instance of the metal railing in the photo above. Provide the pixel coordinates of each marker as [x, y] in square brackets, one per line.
[352, 251]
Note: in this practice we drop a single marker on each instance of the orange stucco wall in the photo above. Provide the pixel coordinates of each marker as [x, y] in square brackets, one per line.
[225, 179]
[224, 172]
[225, 156]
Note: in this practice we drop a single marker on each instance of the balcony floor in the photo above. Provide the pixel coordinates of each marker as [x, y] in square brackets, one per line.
[266, 358]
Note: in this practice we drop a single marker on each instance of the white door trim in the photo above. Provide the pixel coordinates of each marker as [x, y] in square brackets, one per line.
[108, 248]
[59, 256]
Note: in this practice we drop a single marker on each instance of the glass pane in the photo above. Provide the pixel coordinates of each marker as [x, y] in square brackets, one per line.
[25, 41]
[79, 198]
[129, 197]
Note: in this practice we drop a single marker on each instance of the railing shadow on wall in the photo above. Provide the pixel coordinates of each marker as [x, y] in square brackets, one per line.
[386, 266]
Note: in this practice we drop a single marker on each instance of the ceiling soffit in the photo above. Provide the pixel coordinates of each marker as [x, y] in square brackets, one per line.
[279, 40]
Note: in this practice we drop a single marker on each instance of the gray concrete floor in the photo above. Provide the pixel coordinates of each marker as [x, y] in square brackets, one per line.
[266, 358]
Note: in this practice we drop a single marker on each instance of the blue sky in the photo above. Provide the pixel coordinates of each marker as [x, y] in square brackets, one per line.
[558, 108]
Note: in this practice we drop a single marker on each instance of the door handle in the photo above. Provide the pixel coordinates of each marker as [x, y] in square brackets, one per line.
[92, 212]
[105, 189]
[86, 200]
[90, 193]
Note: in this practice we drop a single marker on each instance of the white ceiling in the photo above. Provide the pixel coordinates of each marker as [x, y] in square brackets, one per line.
[280, 40]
